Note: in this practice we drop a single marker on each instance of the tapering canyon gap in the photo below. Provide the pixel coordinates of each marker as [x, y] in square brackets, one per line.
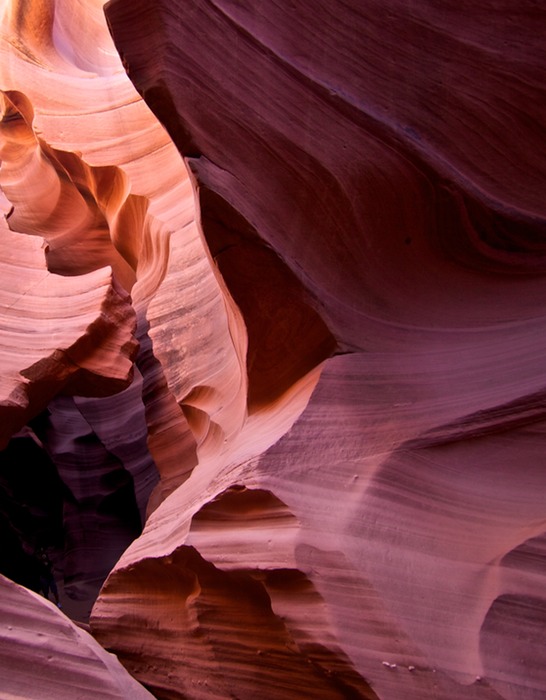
[272, 349]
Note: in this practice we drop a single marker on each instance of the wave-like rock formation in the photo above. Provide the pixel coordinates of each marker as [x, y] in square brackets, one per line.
[272, 328]
[45, 656]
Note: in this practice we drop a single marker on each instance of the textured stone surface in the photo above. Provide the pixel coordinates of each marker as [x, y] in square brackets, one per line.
[365, 148]
[44, 656]
[335, 427]
[46, 348]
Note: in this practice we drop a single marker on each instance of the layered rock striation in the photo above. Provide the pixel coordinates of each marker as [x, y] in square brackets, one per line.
[305, 251]
[44, 656]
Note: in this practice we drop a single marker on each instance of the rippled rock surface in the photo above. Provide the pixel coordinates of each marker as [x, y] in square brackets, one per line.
[317, 232]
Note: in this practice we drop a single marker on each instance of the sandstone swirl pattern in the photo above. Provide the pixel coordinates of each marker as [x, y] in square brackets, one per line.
[44, 656]
[337, 407]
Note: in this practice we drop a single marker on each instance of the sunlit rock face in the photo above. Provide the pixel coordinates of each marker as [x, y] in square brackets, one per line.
[88, 239]
[304, 250]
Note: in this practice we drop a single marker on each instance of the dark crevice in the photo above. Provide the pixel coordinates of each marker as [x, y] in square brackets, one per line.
[287, 338]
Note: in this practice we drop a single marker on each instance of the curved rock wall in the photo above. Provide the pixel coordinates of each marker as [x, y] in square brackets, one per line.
[44, 656]
[330, 221]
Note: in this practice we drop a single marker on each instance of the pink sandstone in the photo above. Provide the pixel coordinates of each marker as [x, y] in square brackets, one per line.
[323, 225]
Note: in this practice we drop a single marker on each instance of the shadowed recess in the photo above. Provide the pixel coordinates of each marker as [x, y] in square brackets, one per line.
[240, 630]
[286, 336]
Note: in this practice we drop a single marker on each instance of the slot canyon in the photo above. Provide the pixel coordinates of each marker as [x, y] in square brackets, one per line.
[272, 370]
